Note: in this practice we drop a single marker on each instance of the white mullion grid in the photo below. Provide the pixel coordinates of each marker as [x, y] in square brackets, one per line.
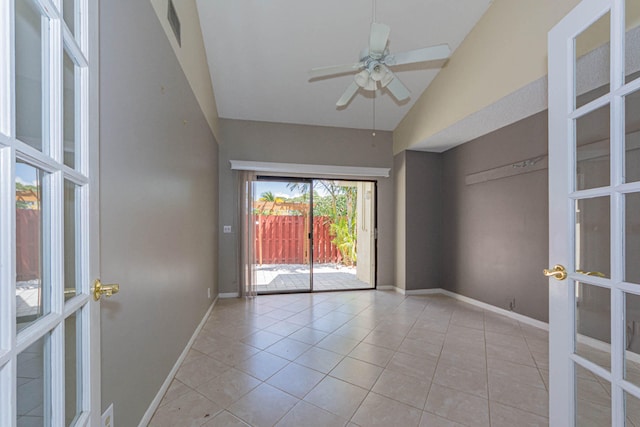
[630, 288]
[57, 359]
[591, 366]
[74, 50]
[590, 193]
[617, 123]
[591, 106]
[36, 331]
[5, 141]
[74, 304]
[89, 367]
[601, 282]
[631, 187]
[6, 67]
[35, 158]
[8, 362]
[53, 216]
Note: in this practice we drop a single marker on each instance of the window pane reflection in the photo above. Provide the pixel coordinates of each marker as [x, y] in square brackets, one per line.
[592, 149]
[28, 68]
[31, 383]
[70, 268]
[32, 285]
[69, 111]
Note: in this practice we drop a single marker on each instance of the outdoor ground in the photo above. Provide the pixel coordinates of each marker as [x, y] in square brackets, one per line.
[292, 277]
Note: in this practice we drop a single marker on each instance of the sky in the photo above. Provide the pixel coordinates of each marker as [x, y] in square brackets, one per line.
[26, 174]
[278, 188]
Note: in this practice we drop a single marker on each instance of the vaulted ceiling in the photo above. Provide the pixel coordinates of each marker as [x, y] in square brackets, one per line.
[259, 54]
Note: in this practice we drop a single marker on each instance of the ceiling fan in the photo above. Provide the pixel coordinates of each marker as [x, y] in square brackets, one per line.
[373, 67]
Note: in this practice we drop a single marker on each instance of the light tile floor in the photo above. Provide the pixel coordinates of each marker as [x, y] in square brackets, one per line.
[365, 358]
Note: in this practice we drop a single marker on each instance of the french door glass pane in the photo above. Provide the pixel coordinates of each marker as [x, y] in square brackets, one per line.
[70, 270]
[632, 40]
[32, 280]
[632, 238]
[593, 402]
[632, 410]
[593, 237]
[73, 371]
[592, 149]
[69, 111]
[632, 137]
[632, 338]
[593, 323]
[592, 50]
[68, 13]
[29, 28]
[32, 383]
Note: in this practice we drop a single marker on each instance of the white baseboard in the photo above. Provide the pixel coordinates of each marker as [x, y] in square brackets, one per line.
[167, 382]
[228, 295]
[519, 317]
[423, 291]
[434, 291]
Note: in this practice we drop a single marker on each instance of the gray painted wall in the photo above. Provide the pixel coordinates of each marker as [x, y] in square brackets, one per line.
[158, 172]
[495, 234]
[418, 207]
[286, 143]
[423, 220]
[400, 202]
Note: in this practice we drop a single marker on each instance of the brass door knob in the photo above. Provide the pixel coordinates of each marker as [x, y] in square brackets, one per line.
[558, 272]
[107, 290]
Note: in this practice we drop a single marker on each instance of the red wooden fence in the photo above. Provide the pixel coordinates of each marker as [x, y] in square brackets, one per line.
[27, 244]
[283, 239]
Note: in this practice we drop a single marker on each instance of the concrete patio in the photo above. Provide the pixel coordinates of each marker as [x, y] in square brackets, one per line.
[296, 277]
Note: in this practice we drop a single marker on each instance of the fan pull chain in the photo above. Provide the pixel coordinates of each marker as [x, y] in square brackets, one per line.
[374, 114]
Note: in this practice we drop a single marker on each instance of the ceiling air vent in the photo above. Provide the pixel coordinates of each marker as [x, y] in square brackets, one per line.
[172, 16]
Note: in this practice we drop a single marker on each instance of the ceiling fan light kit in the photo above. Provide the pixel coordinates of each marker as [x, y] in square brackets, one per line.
[372, 71]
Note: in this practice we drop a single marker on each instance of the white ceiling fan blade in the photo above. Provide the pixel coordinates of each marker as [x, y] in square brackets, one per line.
[432, 53]
[348, 94]
[335, 69]
[378, 39]
[398, 90]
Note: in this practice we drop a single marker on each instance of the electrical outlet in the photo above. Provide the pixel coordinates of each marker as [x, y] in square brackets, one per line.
[107, 417]
[226, 229]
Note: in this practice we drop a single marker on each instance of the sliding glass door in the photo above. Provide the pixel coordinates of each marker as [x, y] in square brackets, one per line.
[282, 236]
[313, 235]
[343, 235]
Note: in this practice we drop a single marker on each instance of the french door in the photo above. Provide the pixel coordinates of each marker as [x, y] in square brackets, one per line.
[49, 323]
[594, 205]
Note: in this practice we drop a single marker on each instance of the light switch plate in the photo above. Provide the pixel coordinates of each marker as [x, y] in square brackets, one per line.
[107, 417]
[226, 229]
